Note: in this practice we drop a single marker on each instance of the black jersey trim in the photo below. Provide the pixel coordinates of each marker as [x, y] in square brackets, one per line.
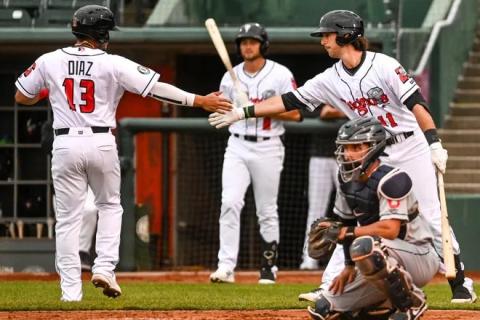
[166, 99]
[83, 55]
[341, 79]
[33, 95]
[406, 92]
[154, 74]
[258, 72]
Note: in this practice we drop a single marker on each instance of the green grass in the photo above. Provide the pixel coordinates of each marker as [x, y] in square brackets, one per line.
[44, 295]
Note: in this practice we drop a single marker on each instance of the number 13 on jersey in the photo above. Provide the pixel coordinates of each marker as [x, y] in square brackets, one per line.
[87, 95]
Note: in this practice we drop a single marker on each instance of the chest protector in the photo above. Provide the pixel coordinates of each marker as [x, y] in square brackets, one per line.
[362, 197]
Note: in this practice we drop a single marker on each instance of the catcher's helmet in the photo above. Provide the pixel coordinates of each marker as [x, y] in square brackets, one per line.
[358, 131]
[346, 24]
[255, 31]
[94, 22]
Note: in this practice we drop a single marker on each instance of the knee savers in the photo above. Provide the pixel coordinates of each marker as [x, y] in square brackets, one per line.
[372, 262]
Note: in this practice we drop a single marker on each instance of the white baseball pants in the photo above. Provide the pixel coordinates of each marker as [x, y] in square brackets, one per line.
[245, 162]
[80, 159]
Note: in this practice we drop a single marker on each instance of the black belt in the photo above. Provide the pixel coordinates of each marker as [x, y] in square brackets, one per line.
[59, 132]
[399, 137]
[251, 138]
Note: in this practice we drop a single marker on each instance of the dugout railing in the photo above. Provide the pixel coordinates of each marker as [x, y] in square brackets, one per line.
[196, 127]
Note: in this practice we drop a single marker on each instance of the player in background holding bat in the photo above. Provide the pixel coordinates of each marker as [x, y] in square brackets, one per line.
[85, 85]
[369, 84]
[254, 155]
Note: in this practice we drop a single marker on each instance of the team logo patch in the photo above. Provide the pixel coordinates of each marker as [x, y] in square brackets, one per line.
[29, 70]
[393, 204]
[377, 96]
[402, 74]
[143, 70]
[268, 94]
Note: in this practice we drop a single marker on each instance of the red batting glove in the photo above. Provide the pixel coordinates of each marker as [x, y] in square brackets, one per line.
[43, 94]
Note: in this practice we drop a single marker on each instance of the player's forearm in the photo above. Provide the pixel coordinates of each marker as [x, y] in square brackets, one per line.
[387, 229]
[293, 115]
[269, 107]
[167, 93]
[424, 119]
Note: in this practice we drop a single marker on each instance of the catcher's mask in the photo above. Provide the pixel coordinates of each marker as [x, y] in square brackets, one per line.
[346, 24]
[359, 131]
[94, 22]
[256, 31]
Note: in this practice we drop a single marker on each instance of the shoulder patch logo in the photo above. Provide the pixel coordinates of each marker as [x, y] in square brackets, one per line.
[393, 204]
[402, 74]
[143, 70]
[29, 70]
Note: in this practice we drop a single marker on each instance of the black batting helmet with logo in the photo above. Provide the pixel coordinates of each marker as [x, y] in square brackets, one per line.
[255, 31]
[346, 24]
[94, 22]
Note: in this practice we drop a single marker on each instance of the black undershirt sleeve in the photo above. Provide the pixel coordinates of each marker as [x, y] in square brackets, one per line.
[416, 98]
[291, 102]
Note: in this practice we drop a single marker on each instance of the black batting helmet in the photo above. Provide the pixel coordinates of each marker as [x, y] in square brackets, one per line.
[357, 131]
[346, 24]
[253, 30]
[94, 22]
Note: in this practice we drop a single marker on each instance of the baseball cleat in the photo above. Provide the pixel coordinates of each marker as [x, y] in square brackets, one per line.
[463, 295]
[309, 264]
[109, 284]
[268, 275]
[222, 276]
[311, 296]
[410, 314]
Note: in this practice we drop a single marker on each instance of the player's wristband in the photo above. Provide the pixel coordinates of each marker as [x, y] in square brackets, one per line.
[249, 111]
[432, 136]
[43, 94]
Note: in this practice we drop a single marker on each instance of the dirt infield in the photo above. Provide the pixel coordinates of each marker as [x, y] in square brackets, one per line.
[202, 277]
[206, 315]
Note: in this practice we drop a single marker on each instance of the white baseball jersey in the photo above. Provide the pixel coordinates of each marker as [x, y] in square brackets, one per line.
[272, 80]
[377, 89]
[82, 93]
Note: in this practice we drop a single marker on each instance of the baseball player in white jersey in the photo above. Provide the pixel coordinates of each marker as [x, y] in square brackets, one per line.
[369, 84]
[387, 242]
[85, 85]
[254, 155]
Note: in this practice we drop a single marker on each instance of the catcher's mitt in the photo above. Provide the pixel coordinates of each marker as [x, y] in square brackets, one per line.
[323, 237]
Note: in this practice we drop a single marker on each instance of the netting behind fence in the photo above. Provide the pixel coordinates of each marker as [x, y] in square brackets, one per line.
[199, 159]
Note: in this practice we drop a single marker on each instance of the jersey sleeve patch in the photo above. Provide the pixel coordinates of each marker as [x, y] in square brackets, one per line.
[396, 186]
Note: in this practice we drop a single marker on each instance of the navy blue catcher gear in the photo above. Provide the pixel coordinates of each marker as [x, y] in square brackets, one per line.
[256, 31]
[346, 24]
[94, 22]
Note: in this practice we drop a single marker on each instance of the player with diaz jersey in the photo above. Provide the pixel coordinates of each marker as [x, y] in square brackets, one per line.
[254, 155]
[85, 85]
[369, 84]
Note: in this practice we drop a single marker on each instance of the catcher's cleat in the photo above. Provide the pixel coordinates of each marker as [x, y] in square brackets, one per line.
[410, 314]
[311, 296]
[268, 275]
[222, 276]
[109, 284]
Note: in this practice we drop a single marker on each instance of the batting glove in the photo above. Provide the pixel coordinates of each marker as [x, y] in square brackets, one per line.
[220, 120]
[439, 156]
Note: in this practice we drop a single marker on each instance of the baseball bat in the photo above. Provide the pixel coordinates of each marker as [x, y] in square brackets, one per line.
[219, 44]
[446, 234]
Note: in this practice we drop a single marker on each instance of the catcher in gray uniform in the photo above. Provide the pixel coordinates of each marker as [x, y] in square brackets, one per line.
[387, 242]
